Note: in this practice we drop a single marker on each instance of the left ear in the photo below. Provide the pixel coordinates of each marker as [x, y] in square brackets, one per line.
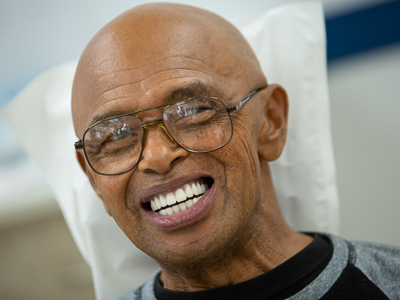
[273, 123]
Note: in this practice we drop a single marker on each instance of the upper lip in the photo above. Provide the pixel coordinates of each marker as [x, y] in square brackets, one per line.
[170, 186]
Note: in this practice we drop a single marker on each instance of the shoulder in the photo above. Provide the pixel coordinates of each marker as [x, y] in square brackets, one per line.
[144, 292]
[376, 253]
[380, 263]
[377, 260]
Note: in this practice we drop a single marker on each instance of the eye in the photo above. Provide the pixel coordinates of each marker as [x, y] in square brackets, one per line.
[195, 110]
[195, 116]
[120, 138]
[114, 141]
[119, 134]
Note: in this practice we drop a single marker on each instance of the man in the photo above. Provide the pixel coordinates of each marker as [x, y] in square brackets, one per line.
[177, 125]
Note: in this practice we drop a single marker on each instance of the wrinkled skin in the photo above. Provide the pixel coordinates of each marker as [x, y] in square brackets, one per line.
[158, 53]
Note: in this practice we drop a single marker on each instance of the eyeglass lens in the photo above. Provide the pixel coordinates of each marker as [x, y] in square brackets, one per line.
[198, 125]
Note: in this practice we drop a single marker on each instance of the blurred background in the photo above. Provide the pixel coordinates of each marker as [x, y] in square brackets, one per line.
[38, 257]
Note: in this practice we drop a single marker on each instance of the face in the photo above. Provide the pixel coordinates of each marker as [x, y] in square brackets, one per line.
[125, 76]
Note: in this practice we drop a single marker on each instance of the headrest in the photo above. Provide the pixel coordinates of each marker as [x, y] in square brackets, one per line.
[290, 44]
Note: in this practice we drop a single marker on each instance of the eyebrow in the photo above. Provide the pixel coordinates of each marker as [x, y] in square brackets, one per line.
[106, 115]
[194, 89]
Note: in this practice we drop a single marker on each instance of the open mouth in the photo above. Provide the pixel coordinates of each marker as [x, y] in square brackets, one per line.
[183, 198]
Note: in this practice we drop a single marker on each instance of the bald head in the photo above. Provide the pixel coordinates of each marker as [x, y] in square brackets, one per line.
[136, 54]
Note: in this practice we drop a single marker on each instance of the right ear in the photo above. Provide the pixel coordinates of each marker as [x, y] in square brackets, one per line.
[273, 126]
[86, 169]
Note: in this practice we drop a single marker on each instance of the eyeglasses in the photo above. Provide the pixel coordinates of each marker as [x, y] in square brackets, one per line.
[202, 124]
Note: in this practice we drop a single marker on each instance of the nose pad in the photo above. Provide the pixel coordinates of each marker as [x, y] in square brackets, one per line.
[156, 123]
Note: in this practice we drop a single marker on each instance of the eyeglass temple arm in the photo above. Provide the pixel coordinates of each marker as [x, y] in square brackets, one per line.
[78, 145]
[242, 102]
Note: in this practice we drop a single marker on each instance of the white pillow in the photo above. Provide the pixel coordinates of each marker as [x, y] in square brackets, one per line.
[290, 44]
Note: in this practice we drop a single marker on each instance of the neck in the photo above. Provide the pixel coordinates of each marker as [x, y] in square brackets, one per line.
[260, 249]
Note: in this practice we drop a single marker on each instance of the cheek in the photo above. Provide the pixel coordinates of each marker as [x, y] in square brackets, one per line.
[245, 137]
[243, 152]
[242, 165]
[113, 190]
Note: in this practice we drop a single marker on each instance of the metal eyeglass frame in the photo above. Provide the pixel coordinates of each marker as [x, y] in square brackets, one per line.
[160, 122]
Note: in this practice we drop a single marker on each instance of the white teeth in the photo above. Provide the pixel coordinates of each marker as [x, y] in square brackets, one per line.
[176, 208]
[180, 195]
[158, 203]
[163, 201]
[179, 198]
[182, 206]
[188, 191]
[194, 189]
[171, 199]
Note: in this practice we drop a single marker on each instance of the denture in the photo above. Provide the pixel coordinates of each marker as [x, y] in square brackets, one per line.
[182, 199]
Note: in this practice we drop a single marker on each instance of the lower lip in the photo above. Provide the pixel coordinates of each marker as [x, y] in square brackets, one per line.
[186, 217]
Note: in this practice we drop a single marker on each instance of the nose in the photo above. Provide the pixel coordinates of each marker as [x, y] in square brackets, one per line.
[160, 151]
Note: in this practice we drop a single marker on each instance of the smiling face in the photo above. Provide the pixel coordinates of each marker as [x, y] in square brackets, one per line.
[178, 207]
